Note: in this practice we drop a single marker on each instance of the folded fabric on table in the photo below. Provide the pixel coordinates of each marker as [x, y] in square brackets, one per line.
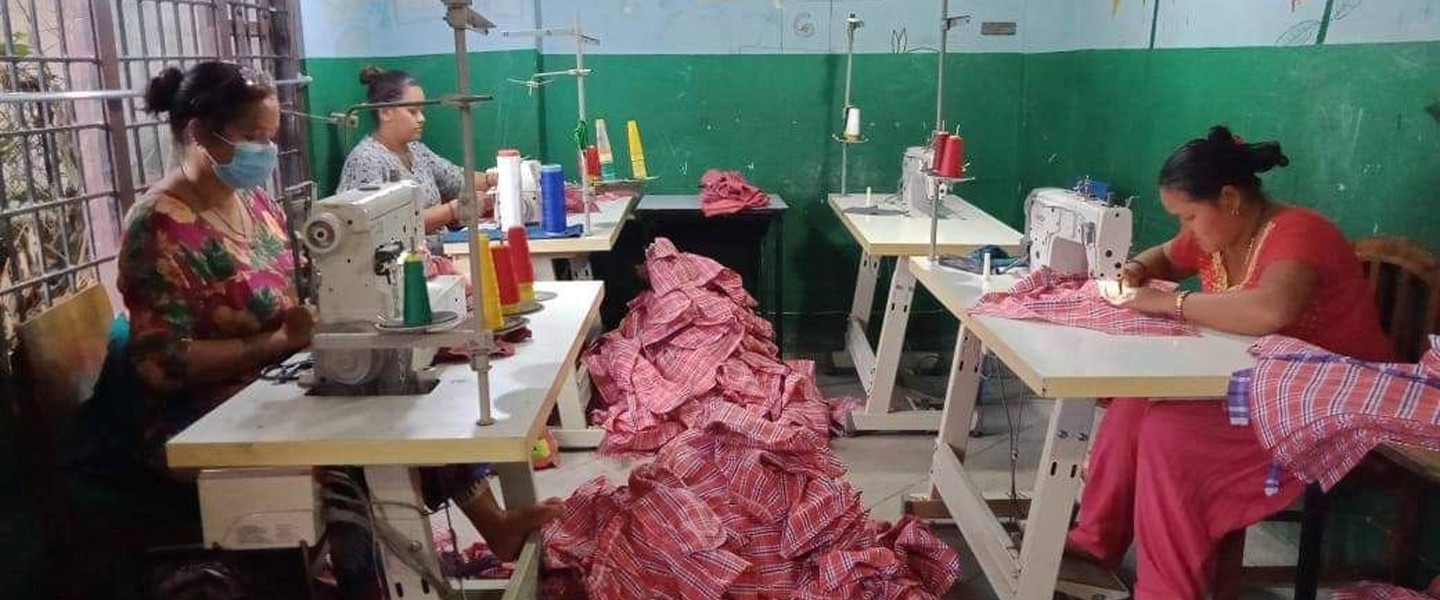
[1319, 413]
[740, 507]
[693, 341]
[728, 192]
[1075, 301]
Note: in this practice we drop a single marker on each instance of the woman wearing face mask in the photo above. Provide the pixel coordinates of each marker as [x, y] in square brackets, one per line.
[395, 148]
[1176, 477]
[205, 270]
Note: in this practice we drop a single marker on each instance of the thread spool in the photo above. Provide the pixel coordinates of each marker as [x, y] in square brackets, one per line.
[509, 209]
[985, 272]
[552, 199]
[950, 165]
[592, 163]
[937, 150]
[490, 288]
[607, 158]
[869, 200]
[520, 261]
[637, 152]
[852, 123]
[416, 295]
[505, 278]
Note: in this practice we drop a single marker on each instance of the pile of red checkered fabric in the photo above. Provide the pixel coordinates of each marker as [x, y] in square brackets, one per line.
[690, 343]
[1320, 413]
[1075, 301]
[728, 192]
[739, 507]
[1381, 591]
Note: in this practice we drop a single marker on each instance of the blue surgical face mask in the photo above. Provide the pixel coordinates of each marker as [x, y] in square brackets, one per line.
[250, 166]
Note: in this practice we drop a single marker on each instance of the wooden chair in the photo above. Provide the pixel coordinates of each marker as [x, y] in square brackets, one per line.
[1404, 280]
[59, 358]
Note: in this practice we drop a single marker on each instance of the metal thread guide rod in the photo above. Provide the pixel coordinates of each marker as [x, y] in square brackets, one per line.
[947, 22]
[587, 189]
[851, 24]
[462, 19]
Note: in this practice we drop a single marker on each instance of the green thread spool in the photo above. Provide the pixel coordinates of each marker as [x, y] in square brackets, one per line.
[416, 293]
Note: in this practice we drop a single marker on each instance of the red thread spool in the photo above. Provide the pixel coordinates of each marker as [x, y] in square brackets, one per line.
[592, 162]
[520, 260]
[505, 276]
[953, 164]
[937, 149]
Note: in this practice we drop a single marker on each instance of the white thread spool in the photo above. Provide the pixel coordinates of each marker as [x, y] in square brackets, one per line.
[869, 200]
[509, 209]
[985, 273]
[852, 123]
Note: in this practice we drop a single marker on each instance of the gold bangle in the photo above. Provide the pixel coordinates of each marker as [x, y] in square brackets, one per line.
[1180, 305]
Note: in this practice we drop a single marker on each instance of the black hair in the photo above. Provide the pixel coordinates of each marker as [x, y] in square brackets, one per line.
[1204, 166]
[384, 85]
[215, 93]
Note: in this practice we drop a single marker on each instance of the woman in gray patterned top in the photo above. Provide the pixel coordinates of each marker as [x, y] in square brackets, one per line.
[395, 147]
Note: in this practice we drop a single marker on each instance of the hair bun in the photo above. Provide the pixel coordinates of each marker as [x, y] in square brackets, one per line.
[369, 75]
[1221, 134]
[1264, 156]
[160, 93]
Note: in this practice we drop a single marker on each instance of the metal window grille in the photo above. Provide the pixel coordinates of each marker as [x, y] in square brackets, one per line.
[76, 148]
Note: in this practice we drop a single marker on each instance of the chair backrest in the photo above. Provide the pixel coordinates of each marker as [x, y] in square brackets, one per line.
[1404, 279]
[62, 351]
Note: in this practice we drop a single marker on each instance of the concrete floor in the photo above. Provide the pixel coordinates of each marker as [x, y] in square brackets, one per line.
[887, 467]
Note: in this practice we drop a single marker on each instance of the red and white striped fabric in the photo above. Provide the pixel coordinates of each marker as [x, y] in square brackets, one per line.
[746, 508]
[691, 342]
[728, 192]
[1075, 301]
[1377, 591]
[1320, 413]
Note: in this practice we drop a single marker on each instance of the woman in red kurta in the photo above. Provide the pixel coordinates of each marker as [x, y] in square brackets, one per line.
[1176, 477]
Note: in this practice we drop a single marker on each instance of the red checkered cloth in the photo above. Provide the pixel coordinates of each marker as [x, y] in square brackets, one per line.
[741, 507]
[728, 192]
[690, 342]
[1075, 301]
[1320, 413]
[1378, 591]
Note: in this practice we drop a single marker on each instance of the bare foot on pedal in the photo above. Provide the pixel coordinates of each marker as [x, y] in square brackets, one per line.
[517, 525]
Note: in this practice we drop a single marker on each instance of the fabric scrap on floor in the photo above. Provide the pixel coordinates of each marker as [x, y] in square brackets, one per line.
[691, 342]
[1379, 591]
[1075, 301]
[728, 192]
[1320, 413]
[742, 507]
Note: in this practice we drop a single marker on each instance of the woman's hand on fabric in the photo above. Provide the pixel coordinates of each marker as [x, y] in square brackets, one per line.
[1146, 299]
[299, 327]
[1134, 275]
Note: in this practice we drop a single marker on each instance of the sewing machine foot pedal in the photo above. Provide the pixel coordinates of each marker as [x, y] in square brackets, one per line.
[1087, 580]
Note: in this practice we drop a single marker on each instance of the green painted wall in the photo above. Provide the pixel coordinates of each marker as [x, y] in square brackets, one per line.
[511, 120]
[771, 117]
[1352, 119]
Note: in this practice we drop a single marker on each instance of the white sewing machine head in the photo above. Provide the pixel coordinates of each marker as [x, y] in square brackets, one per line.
[1071, 233]
[356, 240]
[917, 189]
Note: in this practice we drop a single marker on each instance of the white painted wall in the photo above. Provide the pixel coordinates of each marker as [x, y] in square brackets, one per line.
[335, 28]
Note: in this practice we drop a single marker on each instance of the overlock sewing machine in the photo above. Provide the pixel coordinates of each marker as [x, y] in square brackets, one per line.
[1074, 233]
[918, 189]
[357, 240]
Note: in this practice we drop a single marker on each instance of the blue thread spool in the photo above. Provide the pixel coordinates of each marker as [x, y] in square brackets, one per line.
[552, 199]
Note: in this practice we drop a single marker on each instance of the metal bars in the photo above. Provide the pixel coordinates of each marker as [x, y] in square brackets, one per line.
[76, 147]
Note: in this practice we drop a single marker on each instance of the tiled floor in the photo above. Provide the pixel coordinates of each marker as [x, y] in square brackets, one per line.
[886, 468]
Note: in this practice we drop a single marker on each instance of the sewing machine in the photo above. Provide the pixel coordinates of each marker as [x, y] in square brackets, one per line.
[1073, 233]
[917, 190]
[357, 240]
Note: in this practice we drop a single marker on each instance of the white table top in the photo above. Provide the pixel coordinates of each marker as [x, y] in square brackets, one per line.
[1056, 361]
[607, 223]
[272, 424]
[902, 235]
[691, 202]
